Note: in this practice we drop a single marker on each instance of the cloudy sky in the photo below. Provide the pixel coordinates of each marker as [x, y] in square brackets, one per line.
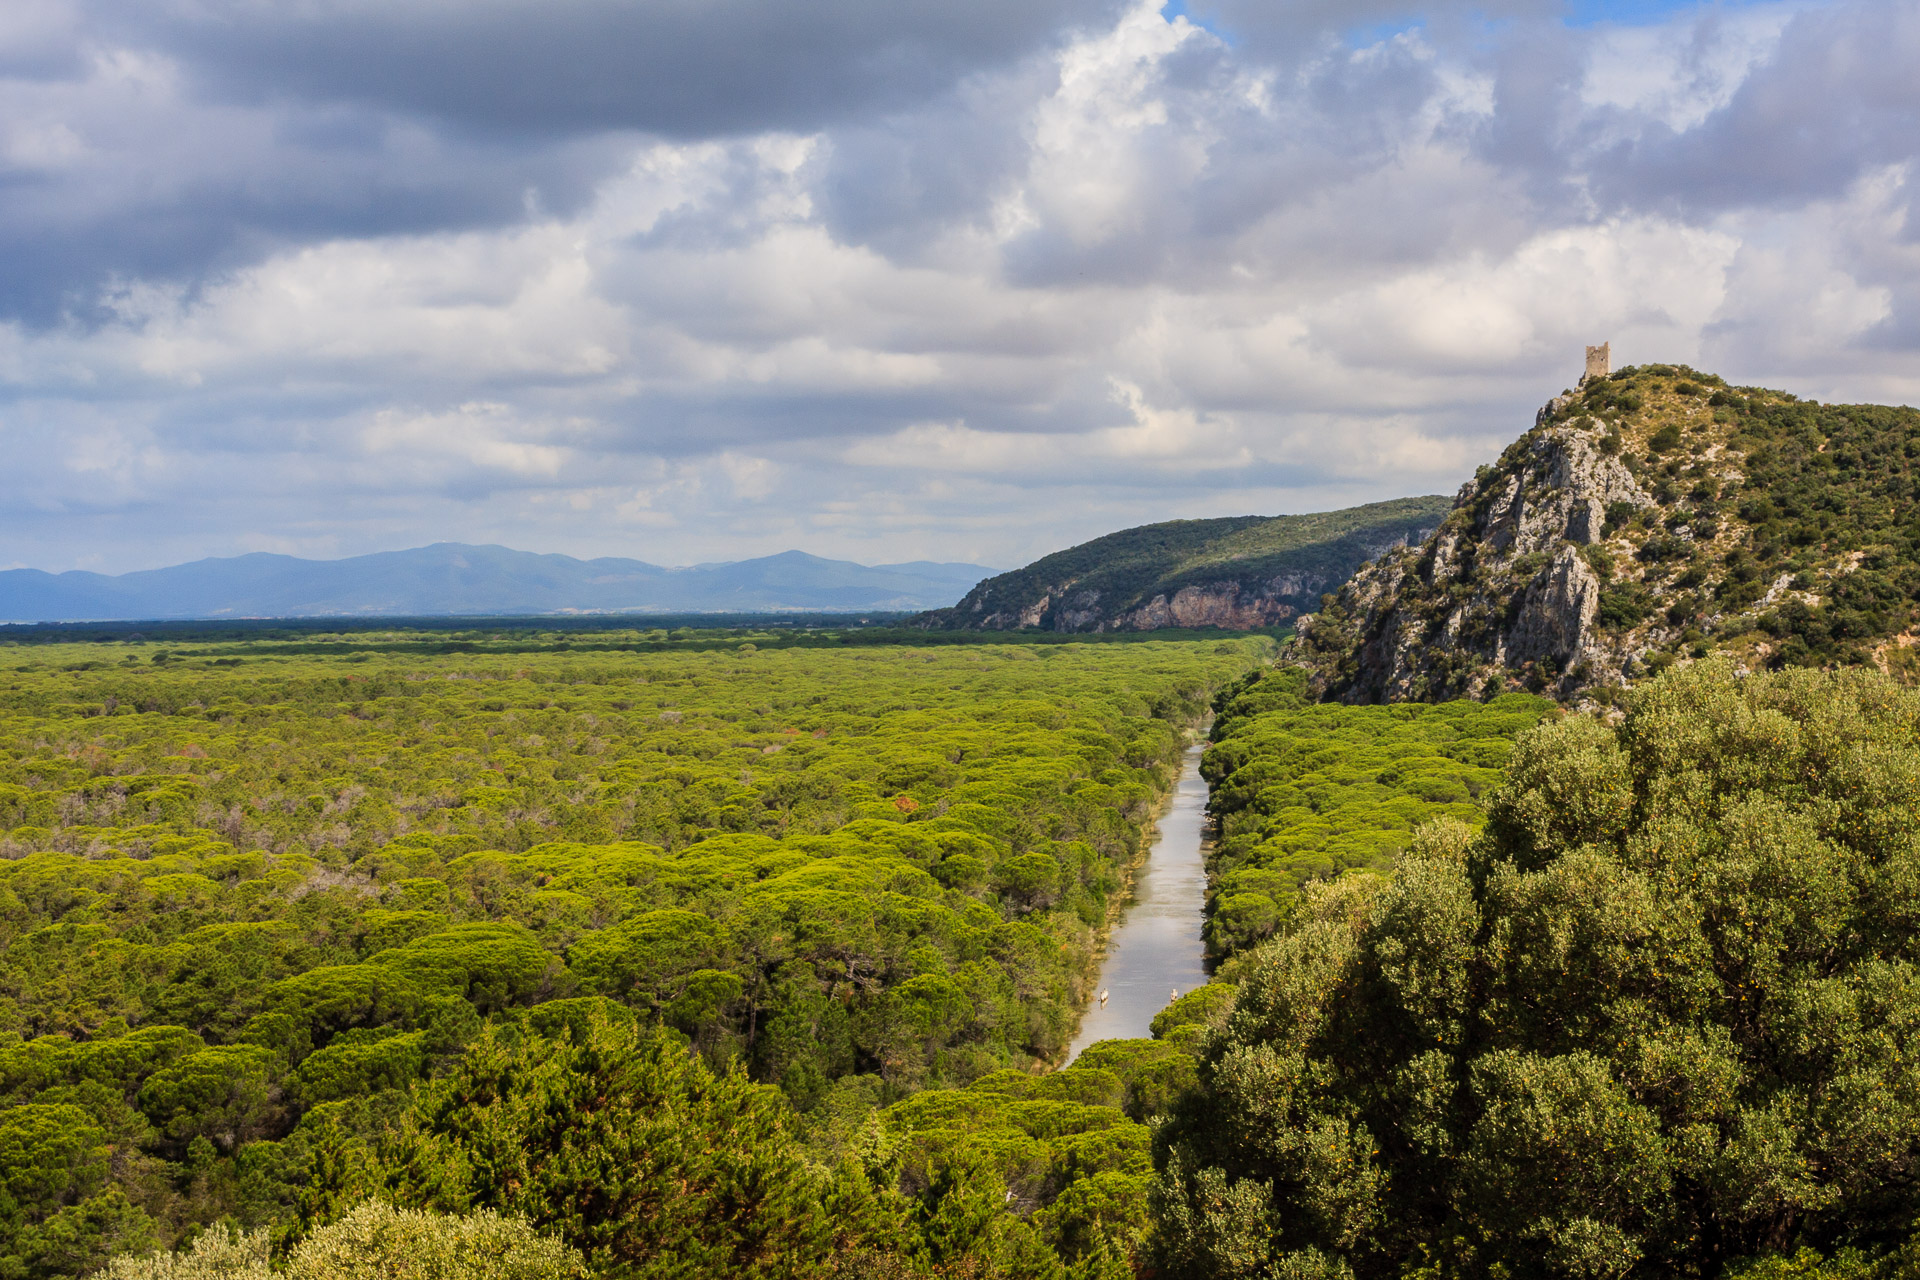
[692, 280]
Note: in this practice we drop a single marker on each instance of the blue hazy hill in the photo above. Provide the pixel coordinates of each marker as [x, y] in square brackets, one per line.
[453, 578]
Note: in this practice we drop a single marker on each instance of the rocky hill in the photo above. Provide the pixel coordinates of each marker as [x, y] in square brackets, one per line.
[1239, 572]
[1649, 518]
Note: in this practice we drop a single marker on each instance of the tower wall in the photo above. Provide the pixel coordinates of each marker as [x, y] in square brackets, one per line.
[1599, 362]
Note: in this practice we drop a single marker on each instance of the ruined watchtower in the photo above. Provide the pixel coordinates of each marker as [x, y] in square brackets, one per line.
[1599, 362]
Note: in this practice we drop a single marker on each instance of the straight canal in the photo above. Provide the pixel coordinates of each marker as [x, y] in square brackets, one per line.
[1156, 948]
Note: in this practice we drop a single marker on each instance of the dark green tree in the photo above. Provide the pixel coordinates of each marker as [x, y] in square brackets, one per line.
[628, 1147]
[1662, 1014]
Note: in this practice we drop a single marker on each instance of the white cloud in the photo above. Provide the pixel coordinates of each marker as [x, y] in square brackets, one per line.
[1650, 283]
[1680, 73]
[484, 435]
[1808, 291]
[1134, 274]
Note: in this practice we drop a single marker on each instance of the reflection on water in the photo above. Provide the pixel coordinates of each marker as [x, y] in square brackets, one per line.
[1156, 948]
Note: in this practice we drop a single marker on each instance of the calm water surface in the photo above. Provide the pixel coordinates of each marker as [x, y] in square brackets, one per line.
[1156, 949]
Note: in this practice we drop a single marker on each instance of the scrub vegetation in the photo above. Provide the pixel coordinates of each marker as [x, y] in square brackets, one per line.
[1784, 530]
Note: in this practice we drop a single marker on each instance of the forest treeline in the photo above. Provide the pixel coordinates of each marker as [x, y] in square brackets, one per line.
[283, 935]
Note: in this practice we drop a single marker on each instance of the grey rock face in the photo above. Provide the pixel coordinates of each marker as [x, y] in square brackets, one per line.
[1562, 491]
[1557, 616]
[1234, 605]
[1501, 586]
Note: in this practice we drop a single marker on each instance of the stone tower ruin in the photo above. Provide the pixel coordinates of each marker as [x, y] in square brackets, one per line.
[1599, 362]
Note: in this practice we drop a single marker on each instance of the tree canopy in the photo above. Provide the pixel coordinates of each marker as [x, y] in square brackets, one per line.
[263, 903]
[1303, 792]
[1660, 1015]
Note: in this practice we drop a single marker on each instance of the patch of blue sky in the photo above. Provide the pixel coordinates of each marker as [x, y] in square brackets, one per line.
[1378, 33]
[1175, 9]
[1575, 13]
[1639, 13]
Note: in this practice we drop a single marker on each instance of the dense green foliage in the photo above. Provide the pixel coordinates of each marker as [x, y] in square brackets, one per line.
[374, 1241]
[623, 1142]
[1826, 484]
[612, 1137]
[1122, 571]
[1071, 1149]
[730, 959]
[1661, 1014]
[255, 915]
[1303, 792]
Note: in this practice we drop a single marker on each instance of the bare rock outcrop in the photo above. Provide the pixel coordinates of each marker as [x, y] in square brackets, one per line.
[1503, 593]
[1557, 613]
[1236, 606]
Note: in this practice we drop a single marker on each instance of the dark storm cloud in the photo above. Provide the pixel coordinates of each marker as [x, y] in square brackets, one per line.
[201, 135]
[40, 39]
[678, 68]
[1537, 117]
[897, 181]
[177, 208]
[1284, 33]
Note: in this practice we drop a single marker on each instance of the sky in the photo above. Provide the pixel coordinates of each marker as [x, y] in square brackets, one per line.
[886, 280]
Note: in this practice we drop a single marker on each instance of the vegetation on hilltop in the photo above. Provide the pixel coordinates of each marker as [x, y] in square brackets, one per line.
[1655, 515]
[275, 926]
[1786, 530]
[1658, 1017]
[1241, 571]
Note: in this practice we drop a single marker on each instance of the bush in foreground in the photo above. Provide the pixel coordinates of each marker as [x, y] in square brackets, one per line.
[374, 1242]
[1662, 1014]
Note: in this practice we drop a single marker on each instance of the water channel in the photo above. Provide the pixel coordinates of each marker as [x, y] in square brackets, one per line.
[1156, 949]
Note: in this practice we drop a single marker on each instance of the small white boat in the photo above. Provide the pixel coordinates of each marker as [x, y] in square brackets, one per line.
[1103, 997]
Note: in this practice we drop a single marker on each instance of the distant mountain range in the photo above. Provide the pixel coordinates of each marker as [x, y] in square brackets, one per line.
[450, 578]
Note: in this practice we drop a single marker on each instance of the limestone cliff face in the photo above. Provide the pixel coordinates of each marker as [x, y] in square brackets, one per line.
[1505, 590]
[1235, 605]
[1228, 603]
